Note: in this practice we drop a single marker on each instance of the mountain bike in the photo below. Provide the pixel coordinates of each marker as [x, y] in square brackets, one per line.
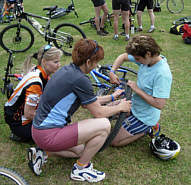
[8, 85]
[59, 12]
[10, 177]
[173, 6]
[91, 21]
[19, 38]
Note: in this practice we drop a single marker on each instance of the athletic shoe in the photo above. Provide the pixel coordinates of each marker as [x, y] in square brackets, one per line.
[127, 38]
[101, 33]
[37, 158]
[104, 31]
[123, 33]
[139, 29]
[115, 37]
[151, 30]
[153, 131]
[16, 138]
[86, 174]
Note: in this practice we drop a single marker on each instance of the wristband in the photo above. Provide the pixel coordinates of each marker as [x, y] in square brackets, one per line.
[112, 71]
[112, 97]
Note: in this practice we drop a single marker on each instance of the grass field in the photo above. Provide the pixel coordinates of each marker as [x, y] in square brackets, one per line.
[133, 164]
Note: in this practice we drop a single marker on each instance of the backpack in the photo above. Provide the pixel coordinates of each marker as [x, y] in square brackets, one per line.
[177, 29]
[187, 33]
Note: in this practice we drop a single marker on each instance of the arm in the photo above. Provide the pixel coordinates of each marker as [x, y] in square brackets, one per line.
[100, 111]
[118, 62]
[108, 98]
[29, 112]
[155, 102]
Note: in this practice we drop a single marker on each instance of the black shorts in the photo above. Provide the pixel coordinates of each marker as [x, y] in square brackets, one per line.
[120, 5]
[98, 2]
[144, 3]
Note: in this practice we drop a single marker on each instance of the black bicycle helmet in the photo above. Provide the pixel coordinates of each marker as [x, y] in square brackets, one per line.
[164, 147]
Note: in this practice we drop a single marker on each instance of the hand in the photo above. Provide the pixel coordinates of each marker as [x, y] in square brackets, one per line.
[117, 93]
[133, 85]
[125, 105]
[114, 79]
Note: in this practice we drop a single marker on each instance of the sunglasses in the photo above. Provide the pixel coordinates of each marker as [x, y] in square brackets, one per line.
[95, 50]
[46, 48]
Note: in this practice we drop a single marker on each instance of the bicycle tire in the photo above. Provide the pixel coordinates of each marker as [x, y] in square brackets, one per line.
[66, 35]
[16, 38]
[118, 124]
[8, 177]
[175, 6]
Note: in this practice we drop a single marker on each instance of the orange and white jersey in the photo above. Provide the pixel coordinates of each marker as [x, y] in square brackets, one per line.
[28, 91]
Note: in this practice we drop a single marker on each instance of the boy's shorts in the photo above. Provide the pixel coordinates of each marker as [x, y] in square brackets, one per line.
[56, 139]
[98, 2]
[120, 5]
[134, 126]
[143, 3]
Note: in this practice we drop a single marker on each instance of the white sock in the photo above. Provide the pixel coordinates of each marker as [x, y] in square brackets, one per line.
[152, 26]
[116, 35]
[127, 35]
[141, 27]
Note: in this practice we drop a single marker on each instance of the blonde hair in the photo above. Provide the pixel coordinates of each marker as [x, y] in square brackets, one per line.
[48, 55]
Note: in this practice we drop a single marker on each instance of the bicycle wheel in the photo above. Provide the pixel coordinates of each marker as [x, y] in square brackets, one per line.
[65, 36]
[17, 38]
[10, 177]
[175, 6]
[121, 118]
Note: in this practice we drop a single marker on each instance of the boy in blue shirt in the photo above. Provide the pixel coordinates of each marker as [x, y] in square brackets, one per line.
[150, 91]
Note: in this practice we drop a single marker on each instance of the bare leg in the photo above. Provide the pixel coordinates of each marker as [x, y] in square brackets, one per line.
[116, 17]
[123, 138]
[97, 17]
[92, 134]
[152, 16]
[105, 13]
[125, 18]
[139, 18]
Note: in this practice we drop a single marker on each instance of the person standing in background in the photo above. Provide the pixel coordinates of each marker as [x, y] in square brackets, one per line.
[141, 6]
[98, 6]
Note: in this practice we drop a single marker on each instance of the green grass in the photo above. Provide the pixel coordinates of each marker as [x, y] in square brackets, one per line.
[133, 164]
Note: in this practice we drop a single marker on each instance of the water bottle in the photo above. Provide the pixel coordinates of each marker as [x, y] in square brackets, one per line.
[36, 24]
[132, 26]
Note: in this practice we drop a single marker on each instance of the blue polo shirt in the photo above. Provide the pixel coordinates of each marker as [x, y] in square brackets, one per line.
[64, 93]
[156, 81]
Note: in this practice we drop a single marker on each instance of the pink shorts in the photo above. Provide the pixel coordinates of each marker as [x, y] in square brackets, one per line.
[56, 139]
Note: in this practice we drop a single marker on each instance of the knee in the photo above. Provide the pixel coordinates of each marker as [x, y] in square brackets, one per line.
[106, 125]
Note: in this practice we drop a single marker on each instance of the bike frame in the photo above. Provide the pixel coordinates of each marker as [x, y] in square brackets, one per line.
[96, 74]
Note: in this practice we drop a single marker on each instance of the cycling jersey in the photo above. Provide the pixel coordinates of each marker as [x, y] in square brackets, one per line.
[28, 91]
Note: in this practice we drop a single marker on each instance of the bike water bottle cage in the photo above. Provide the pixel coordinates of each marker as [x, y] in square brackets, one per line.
[95, 50]
[46, 48]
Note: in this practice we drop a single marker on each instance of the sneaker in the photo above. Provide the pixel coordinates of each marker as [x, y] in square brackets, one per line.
[16, 138]
[127, 38]
[37, 158]
[153, 131]
[151, 30]
[86, 174]
[123, 33]
[104, 31]
[115, 37]
[139, 29]
[101, 33]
